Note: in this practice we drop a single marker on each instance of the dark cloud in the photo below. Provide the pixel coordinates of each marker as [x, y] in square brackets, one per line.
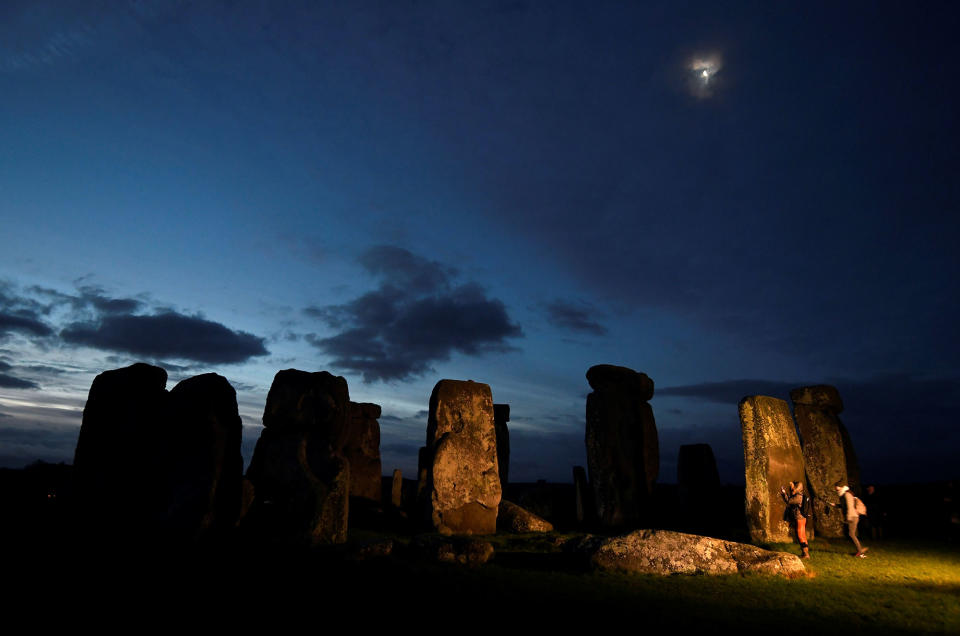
[575, 316]
[417, 316]
[390, 418]
[401, 449]
[23, 322]
[12, 382]
[167, 335]
[95, 297]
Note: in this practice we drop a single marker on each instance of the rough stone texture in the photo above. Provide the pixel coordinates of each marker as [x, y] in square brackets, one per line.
[668, 552]
[301, 477]
[623, 454]
[513, 518]
[362, 450]
[462, 482]
[815, 410]
[821, 396]
[118, 468]
[585, 508]
[501, 415]
[396, 489]
[158, 461]
[204, 465]
[457, 550]
[698, 484]
[772, 458]
[853, 465]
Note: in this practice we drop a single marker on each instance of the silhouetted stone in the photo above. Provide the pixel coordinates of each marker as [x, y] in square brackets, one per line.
[668, 552]
[424, 458]
[501, 415]
[513, 518]
[462, 482]
[149, 461]
[318, 402]
[458, 550]
[585, 509]
[301, 477]
[623, 454]
[396, 489]
[118, 469]
[815, 410]
[772, 458]
[204, 464]
[362, 450]
[698, 485]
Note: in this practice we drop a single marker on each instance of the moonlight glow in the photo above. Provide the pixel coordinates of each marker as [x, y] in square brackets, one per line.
[703, 71]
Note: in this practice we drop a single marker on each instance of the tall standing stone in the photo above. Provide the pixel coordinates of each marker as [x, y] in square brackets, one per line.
[301, 478]
[362, 450]
[623, 454]
[396, 489]
[816, 410]
[583, 496]
[772, 458]
[118, 464]
[501, 415]
[205, 470]
[462, 490]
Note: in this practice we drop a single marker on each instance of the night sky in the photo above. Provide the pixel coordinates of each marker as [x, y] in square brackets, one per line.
[734, 198]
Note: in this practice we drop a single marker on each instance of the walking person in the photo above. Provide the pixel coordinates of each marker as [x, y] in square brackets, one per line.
[848, 503]
[796, 512]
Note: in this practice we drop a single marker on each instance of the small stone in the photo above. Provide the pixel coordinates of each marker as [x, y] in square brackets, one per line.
[513, 518]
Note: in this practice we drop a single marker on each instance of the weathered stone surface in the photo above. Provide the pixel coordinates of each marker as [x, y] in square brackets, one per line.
[821, 396]
[204, 466]
[159, 461]
[853, 465]
[396, 489]
[457, 550]
[772, 458]
[462, 482]
[317, 402]
[668, 552]
[623, 454]
[118, 466]
[513, 518]
[362, 450]
[501, 415]
[301, 478]
[823, 454]
[585, 509]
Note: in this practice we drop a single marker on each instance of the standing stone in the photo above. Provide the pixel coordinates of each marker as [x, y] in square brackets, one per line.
[815, 409]
[396, 489]
[424, 458]
[698, 484]
[362, 450]
[205, 467]
[772, 458]
[583, 494]
[117, 466]
[301, 478]
[462, 481]
[623, 454]
[501, 415]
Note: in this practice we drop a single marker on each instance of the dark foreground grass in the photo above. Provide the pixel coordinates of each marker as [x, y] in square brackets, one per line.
[902, 587]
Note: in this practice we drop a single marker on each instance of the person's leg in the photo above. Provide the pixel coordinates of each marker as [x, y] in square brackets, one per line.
[802, 536]
[852, 533]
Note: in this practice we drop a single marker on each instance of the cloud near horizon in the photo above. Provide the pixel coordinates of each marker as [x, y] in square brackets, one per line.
[418, 315]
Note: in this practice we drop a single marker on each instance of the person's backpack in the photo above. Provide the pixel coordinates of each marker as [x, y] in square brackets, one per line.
[859, 506]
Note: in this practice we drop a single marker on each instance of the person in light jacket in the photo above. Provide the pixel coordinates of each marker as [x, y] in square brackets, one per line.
[850, 514]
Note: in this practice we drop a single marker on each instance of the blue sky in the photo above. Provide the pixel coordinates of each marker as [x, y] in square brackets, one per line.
[508, 192]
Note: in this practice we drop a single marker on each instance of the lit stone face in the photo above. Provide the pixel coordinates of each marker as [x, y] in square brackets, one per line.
[815, 409]
[462, 489]
[772, 458]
